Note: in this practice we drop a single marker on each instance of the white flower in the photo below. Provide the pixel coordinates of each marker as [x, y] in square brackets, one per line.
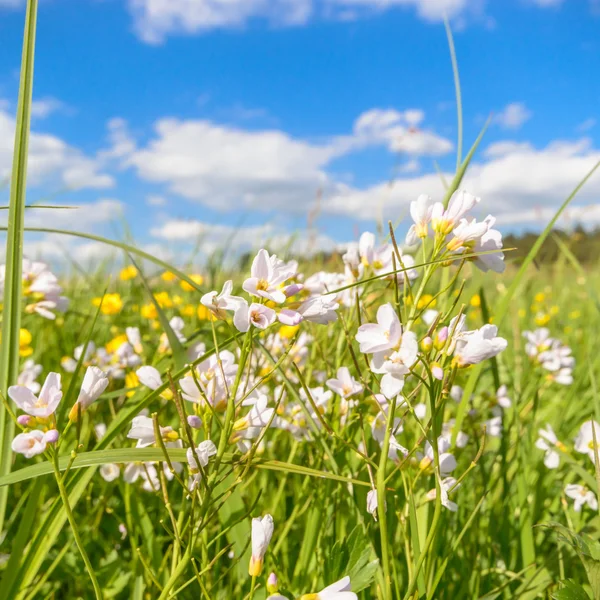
[446, 485]
[262, 531]
[219, 303]
[142, 430]
[372, 503]
[380, 336]
[42, 406]
[584, 442]
[94, 383]
[473, 347]
[443, 221]
[150, 377]
[134, 338]
[548, 442]
[490, 240]
[319, 309]
[396, 365]
[258, 417]
[345, 385]
[267, 276]
[447, 460]
[29, 444]
[420, 211]
[258, 315]
[200, 457]
[28, 376]
[110, 472]
[466, 234]
[581, 496]
[340, 590]
[502, 397]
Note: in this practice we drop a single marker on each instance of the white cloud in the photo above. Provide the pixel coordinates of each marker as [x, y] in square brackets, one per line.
[588, 215]
[156, 201]
[513, 116]
[430, 10]
[586, 125]
[234, 239]
[44, 107]
[84, 217]
[51, 160]
[230, 168]
[512, 178]
[156, 19]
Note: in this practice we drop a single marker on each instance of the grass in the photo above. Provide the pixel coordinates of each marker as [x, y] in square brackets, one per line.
[356, 484]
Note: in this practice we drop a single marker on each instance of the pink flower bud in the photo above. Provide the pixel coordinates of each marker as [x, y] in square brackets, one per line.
[272, 584]
[426, 344]
[293, 289]
[442, 336]
[51, 436]
[437, 372]
[194, 421]
[24, 420]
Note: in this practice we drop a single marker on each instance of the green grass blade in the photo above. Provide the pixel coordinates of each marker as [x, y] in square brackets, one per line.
[459, 114]
[127, 455]
[11, 318]
[120, 246]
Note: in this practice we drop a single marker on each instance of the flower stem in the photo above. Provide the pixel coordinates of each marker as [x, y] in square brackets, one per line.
[381, 504]
[65, 500]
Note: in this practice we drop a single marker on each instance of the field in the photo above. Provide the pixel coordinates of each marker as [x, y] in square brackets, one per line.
[407, 419]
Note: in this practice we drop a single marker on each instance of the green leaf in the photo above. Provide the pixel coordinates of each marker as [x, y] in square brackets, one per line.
[129, 455]
[11, 317]
[570, 591]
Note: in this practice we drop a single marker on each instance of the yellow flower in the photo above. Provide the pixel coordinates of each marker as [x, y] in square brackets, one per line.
[131, 381]
[115, 343]
[475, 301]
[164, 300]
[554, 310]
[196, 278]
[204, 314]
[426, 300]
[575, 314]
[288, 331]
[25, 338]
[168, 276]
[188, 310]
[111, 304]
[539, 297]
[542, 319]
[148, 311]
[522, 313]
[128, 273]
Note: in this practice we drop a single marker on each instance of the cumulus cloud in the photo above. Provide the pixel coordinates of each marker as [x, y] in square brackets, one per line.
[156, 19]
[243, 238]
[512, 179]
[230, 168]
[513, 116]
[51, 160]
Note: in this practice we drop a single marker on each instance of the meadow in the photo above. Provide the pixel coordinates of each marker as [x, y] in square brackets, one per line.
[415, 417]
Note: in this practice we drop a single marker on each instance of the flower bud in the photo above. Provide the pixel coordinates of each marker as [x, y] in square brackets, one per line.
[194, 421]
[272, 584]
[437, 371]
[24, 420]
[426, 344]
[441, 337]
[51, 436]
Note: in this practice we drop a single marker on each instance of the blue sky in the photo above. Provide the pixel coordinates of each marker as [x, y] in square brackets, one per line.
[192, 118]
